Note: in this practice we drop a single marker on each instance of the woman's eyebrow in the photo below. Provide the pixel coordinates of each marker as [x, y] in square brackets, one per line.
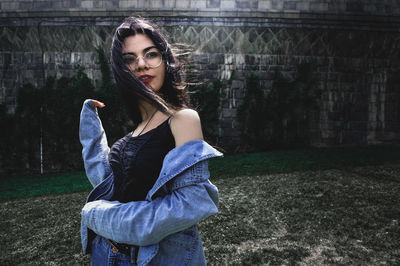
[144, 50]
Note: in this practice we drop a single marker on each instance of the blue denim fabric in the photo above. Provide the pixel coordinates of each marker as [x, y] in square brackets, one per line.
[102, 254]
[164, 225]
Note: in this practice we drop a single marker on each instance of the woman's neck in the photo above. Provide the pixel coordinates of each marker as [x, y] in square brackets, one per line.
[146, 110]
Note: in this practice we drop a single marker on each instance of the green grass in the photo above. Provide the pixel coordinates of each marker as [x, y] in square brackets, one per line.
[347, 216]
[284, 161]
[15, 187]
[322, 217]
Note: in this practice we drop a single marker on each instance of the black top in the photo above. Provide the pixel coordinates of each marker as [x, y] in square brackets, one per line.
[137, 161]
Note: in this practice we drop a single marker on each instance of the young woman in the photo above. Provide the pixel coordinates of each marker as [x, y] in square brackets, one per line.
[151, 188]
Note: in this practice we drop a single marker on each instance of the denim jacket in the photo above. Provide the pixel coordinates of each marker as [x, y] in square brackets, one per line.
[164, 224]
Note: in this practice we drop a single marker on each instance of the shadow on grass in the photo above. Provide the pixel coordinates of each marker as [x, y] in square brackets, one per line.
[337, 216]
[324, 217]
[340, 217]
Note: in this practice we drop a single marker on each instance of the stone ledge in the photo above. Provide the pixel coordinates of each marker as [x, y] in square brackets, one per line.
[268, 19]
[210, 12]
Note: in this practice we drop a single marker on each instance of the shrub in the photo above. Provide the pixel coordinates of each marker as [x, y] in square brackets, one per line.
[281, 117]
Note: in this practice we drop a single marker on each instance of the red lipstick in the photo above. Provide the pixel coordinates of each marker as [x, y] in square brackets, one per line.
[146, 78]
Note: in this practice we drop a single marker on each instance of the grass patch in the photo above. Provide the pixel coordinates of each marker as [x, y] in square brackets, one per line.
[250, 164]
[286, 161]
[322, 217]
[15, 187]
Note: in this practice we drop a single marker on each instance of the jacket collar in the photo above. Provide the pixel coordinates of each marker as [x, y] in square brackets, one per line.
[181, 158]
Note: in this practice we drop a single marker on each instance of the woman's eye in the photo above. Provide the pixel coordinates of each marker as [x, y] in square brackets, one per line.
[129, 59]
[152, 54]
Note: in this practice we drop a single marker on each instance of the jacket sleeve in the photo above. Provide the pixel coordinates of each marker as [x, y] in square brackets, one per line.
[94, 144]
[144, 223]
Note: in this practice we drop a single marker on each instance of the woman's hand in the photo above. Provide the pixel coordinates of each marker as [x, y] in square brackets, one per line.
[98, 104]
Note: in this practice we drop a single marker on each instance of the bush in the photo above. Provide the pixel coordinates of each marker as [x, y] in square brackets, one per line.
[206, 100]
[46, 122]
[280, 116]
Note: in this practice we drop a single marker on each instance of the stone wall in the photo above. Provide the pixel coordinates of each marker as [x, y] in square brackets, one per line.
[353, 48]
[385, 7]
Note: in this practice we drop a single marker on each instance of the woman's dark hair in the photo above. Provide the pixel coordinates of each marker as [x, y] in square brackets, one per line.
[172, 92]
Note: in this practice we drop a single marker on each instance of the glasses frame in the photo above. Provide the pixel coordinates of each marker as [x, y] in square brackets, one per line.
[136, 61]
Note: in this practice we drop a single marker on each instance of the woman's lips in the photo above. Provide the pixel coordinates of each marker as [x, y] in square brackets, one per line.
[146, 78]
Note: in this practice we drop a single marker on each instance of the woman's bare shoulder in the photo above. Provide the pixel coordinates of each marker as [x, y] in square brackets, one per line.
[186, 126]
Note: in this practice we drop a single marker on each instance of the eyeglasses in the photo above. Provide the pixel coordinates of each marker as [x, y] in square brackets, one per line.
[152, 59]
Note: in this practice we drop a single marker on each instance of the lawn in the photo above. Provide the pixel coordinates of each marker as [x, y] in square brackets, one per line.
[335, 214]
[281, 161]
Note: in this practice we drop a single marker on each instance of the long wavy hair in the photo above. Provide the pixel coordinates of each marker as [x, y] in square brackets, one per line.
[172, 94]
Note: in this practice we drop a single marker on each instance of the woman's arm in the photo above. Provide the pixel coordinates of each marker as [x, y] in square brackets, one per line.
[191, 198]
[144, 223]
[94, 142]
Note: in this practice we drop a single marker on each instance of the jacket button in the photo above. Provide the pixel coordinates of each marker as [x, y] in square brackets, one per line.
[114, 250]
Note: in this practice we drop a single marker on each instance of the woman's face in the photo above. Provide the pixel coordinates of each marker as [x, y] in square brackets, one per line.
[144, 60]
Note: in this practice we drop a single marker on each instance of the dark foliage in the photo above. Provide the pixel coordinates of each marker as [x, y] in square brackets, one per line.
[280, 116]
[206, 100]
[47, 119]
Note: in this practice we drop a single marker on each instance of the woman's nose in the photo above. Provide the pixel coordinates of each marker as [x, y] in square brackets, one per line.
[141, 63]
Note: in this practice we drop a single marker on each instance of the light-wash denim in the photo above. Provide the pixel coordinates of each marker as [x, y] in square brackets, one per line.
[102, 254]
[164, 224]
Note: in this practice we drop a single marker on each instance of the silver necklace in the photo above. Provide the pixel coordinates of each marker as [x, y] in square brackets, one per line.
[146, 124]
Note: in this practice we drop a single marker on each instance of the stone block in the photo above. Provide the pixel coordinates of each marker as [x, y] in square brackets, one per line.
[98, 4]
[73, 3]
[212, 66]
[35, 5]
[198, 4]
[202, 67]
[226, 123]
[229, 59]
[183, 4]
[228, 4]
[289, 5]
[228, 112]
[251, 67]
[267, 75]
[264, 4]
[237, 84]
[87, 4]
[127, 3]
[239, 59]
[110, 4]
[303, 6]
[10, 100]
[9, 5]
[170, 3]
[27, 58]
[149, 3]
[251, 60]
[201, 58]
[319, 7]
[7, 59]
[16, 58]
[226, 74]
[213, 3]
[217, 59]
[355, 7]
[277, 4]
[247, 4]
[239, 93]
[56, 4]
[48, 58]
